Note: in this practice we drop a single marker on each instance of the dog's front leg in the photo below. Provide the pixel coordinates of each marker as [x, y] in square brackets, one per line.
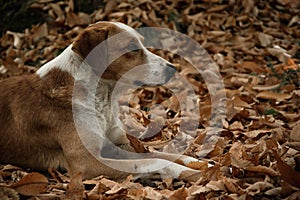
[118, 137]
[84, 157]
[117, 144]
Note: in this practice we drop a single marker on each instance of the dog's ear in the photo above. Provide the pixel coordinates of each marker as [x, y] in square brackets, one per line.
[88, 39]
[91, 46]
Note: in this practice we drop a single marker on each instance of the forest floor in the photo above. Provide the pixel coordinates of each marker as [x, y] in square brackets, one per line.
[256, 45]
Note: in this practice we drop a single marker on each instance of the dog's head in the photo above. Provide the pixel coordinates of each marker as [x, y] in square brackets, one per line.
[118, 49]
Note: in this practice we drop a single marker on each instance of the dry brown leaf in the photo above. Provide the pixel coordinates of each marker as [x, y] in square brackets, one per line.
[55, 175]
[196, 189]
[190, 176]
[294, 20]
[258, 187]
[250, 66]
[273, 96]
[290, 64]
[7, 193]
[266, 87]
[57, 13]
[39, 32]
[136, 144]
[236, 125]
[238, 102]
[73, 19]
[110, 6]
[279, 52]
[94, 194]
[108, 183]
[255, 133]
[262, 169]
[232, 111]
[179, 194]
[153, 128]
[287, 172]
[169, 181]
[137, 194]
[75, 189]
[11, 168]
[273, 191]
[216, 185]
[238, 156]
[17, 39]
[31, 184]
[116, 189]
[264, 39]
[295, 133]
[217, 8]
[230, 185]
[201, 166]
[294, 145]
[152, 193]
[134, 127]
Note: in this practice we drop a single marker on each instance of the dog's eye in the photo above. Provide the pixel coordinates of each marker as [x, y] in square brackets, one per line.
[132, 47]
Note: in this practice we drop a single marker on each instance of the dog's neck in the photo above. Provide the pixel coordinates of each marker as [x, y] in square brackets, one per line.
[68, 61]
[83, 75]
[63, 62]
[71, 62]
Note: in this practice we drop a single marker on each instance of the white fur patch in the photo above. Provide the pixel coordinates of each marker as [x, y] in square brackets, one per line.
[67, 61]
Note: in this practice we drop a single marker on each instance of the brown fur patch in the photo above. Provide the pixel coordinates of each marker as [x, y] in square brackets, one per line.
[92, 36]
[33, 112]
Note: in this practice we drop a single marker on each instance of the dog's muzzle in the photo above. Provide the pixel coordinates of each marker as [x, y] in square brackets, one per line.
[158, 76]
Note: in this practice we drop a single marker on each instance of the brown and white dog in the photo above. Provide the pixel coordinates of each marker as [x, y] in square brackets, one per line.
[36, 111]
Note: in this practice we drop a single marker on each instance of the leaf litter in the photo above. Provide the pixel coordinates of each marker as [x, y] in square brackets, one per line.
[256, 153]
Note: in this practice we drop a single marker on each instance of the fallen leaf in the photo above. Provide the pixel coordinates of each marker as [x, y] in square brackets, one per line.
[287, 172]
[17, 38]
[75, 189]
[7, 193]
[152, 193]
[136, 144]
[201, 166]
[273, 96]
[57, 13]
[196, 189]
[264, 39]
[262, 169]
[31, 184]
[290, 64]
[216, 185]
[279, 52]
[40, 32]
[190, 175]
[266, 87]
[258, 187]
[295, 133]
[179, 194]
[110, 6]
[294, 145]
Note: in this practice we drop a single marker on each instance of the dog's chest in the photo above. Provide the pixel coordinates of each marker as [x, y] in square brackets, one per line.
[103, 106]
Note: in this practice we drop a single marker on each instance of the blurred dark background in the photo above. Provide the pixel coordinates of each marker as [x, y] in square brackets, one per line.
[19, 14]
